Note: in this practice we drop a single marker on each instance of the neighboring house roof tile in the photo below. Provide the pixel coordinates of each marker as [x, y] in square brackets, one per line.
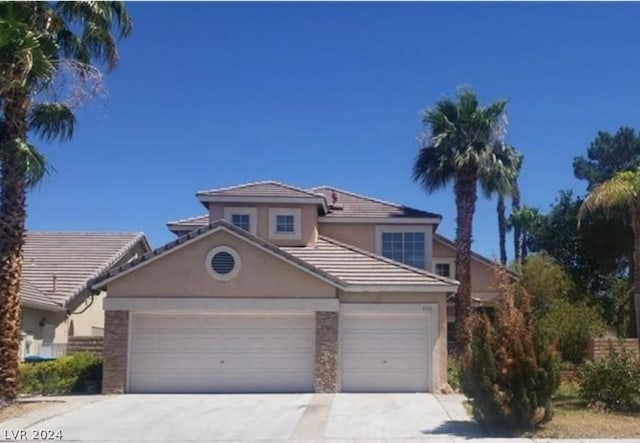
[32, 297]
[189, 223]
[267, 188]
[358, 267]
[360, 206]
[334, 262]
[74, 258]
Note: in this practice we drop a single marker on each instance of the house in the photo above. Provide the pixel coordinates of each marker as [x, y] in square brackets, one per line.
[55, 295]
[282, 289]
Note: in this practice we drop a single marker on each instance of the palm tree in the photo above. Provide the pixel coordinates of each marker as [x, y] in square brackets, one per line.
[525, 220]
[500, 181]
[458, 145]
[38, 41]
[621, 191]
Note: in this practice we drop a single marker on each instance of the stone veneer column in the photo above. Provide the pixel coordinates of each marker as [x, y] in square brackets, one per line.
[114, 369]
[326, 370]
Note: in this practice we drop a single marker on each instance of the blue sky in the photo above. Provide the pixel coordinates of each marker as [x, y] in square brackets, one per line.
[214, 94]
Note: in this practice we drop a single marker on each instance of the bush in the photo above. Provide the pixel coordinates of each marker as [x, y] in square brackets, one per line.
[546, 281]
[61, 376]
[453, 374]
[613, 382]
[571, 326]
[510, 370]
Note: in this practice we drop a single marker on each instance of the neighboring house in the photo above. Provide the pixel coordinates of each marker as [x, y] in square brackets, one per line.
[281, 289]
[55, 298]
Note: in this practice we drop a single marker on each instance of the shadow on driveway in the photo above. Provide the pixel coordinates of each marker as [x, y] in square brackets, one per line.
[457, 428]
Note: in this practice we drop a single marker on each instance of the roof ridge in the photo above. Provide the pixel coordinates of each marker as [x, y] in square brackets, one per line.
[24, 282]
[187, 219]
[366, 197]
[136, 233]
[261, 182]
[387, 260]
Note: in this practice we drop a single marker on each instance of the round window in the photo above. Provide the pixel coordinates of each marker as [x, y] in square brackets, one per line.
[223, 263]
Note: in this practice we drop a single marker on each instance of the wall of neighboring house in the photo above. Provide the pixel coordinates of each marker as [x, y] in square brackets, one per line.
[85, 320]
[309, 220]
[183, 273]
[40, 327]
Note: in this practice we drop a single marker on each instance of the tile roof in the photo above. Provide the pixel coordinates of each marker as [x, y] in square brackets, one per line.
[32, 297]
[360, 206]
[339, 264]
[267, 188]
[189, 223]
[357, 267]
[74, 258]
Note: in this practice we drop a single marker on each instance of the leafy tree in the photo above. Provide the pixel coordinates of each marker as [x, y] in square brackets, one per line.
[621, 191]
[545, 279]
[501, 181]
[40, 43]
[458, 145]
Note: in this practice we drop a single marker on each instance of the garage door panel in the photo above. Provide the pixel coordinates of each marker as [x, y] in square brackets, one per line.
[222, 353]
[386, 352]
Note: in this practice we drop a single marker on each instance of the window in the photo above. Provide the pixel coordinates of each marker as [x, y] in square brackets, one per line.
[244, 218]
[222, 263]
[443, 269]
[242, 221]
[405, 247]
[284, 223]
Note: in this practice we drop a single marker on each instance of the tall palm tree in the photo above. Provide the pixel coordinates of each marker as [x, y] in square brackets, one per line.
[621, 191]
[458, 145]
[526, 220]
[38, 40]
[500, 181]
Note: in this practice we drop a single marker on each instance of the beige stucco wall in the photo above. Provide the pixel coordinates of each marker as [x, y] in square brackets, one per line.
[308, 225]
[440, 299]
[30, 321]
[482, 274]
[182, 273]
[91, 321]
[361, 235]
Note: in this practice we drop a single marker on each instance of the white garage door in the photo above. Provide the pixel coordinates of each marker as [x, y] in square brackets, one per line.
[222, 353]
[386, 352]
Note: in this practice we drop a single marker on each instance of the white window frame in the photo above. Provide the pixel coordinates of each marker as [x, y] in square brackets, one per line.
[230, 211]
[445, 261]
[428, 239]
[297, 223]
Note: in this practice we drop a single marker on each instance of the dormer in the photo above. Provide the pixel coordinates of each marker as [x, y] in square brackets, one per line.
[281, 214]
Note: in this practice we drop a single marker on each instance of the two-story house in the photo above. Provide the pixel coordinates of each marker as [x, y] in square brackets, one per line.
[281, 289]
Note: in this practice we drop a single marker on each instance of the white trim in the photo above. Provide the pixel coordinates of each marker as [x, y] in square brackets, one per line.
[103, 283]
[230, 211]
[381, 220]
[297, 223]
[237, 262]
[428, 239]
[218, 305]
[451, 261]
[387, 308]
[435, 287]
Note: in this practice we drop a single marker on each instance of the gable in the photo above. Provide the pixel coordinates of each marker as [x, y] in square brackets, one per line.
[182, 273]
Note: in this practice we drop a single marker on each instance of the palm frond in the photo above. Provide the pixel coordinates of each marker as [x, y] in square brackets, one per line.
[52, 121]
[432, 168]
[31, 164]
[623, 190]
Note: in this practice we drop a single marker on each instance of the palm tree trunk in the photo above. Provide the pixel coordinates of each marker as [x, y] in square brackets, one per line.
[635, 299]
[523, 246]
[515, 206]
[502, 229]
[12, 222]
[466, 194]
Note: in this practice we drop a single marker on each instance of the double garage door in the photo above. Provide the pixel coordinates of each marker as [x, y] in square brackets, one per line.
[276, 353]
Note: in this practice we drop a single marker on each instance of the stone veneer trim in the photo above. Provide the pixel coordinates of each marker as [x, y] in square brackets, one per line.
[326, 365]
[116, 344]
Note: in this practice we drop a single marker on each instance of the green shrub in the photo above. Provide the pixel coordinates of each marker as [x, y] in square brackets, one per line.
[453, 374]
[571, 326]
[510, 370]
[64, 375]
[613, 382]
[546, 281]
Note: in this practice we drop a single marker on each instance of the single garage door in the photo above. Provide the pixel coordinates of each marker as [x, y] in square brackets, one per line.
[386, 352]
[222, 353]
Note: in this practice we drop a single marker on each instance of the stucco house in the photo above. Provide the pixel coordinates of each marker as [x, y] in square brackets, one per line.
[55, 295]
[282, 289]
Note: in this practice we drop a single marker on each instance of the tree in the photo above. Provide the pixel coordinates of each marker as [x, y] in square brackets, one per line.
[621, 191]
[517, 235]
[527, 220]
[501, 181]
[457, 146]
[40, 42]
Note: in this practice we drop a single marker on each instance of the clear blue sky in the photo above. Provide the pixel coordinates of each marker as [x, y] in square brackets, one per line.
[211, 95]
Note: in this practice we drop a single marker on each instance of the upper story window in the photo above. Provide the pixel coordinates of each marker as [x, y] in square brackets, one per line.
[245, 218]
[285, 223]
[405, 245]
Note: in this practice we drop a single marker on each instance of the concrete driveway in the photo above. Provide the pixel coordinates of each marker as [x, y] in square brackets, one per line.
[266, 417]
